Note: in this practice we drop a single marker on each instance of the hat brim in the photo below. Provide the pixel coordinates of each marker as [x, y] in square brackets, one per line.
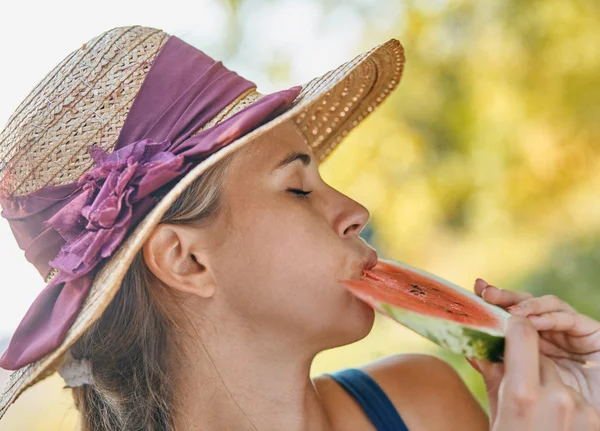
[326, 109]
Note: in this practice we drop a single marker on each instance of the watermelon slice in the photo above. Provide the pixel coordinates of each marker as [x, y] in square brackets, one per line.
[448, 315]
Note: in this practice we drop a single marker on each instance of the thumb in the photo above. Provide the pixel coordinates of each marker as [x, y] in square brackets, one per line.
[492, 373]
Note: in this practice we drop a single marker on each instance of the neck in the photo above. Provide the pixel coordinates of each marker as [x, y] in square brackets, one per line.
[245, 385]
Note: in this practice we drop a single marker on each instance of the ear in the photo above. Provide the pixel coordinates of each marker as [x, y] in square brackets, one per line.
[171, 255]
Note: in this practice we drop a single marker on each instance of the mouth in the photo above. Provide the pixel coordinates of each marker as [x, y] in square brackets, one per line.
[371, 261]
[366, 265]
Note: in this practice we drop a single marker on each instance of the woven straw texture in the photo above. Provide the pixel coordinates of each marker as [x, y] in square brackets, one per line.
[85, 100]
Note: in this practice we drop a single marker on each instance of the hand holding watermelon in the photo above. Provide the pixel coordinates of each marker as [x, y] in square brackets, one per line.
[528, 391]
[530, 395]
[569, 339]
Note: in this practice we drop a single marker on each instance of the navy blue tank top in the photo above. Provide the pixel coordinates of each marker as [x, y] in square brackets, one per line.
[371, 398]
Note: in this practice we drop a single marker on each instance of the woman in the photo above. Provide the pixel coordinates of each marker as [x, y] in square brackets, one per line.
[193, 258]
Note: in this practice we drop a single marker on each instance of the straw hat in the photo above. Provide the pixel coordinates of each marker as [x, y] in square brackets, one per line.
[46, 139]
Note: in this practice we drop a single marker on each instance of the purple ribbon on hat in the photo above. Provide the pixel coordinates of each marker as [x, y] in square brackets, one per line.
[112, 196]
[75, 227]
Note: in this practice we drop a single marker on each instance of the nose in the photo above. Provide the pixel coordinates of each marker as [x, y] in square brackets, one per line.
[352, 218]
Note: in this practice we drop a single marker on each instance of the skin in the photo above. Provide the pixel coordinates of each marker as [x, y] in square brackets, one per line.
[531, 395]
[569, 341]
[262, 297]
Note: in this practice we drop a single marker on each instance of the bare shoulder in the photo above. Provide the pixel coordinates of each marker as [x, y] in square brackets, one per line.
[427, 392]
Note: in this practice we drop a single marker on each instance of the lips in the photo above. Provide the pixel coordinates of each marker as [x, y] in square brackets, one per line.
[371, 261]
[367, 264]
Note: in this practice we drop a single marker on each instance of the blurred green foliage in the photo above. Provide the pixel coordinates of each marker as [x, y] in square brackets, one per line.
[483, 163]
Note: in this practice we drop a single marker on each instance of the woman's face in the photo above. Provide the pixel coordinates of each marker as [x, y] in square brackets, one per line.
[276, 256]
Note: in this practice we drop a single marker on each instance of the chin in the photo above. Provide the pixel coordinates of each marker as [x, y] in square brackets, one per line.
[365, 318]
[355, 324]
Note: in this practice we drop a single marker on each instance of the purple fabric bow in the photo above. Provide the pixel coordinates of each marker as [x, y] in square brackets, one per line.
[75, 227]
[96, 221]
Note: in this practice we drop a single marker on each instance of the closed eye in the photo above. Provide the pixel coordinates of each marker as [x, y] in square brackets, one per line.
[300, 192]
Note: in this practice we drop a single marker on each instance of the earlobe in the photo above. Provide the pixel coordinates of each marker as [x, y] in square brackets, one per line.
[168, 253]
[204, 283]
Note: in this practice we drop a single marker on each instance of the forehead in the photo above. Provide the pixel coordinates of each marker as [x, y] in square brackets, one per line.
[272, 146]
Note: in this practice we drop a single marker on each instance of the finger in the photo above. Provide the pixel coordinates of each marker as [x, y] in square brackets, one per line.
[521, 357]
[480, 284]
[550, 349]
[554, 321]
[565, 321]
[492, 373]
[500, 297]
[573, 346]
[541, 305]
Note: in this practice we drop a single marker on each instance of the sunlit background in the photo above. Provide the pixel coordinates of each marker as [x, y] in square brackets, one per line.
[485, 162]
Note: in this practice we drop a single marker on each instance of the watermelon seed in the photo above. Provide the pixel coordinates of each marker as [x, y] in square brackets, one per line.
[416, 289]
[458, 313]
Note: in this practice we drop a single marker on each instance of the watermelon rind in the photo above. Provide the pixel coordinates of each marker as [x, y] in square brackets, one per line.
[477, 342]
[465, 340]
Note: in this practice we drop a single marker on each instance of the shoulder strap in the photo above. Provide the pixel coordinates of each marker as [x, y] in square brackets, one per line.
[372, 399]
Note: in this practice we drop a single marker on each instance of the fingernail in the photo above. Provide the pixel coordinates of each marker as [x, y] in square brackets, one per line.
[481, 283]
[514, 308]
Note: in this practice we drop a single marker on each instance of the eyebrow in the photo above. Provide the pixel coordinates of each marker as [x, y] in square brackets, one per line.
[292, 157]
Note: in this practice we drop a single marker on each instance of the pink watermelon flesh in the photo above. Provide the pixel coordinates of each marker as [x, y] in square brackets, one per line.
[412, 291]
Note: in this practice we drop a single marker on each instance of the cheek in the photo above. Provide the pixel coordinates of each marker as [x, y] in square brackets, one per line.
[302, 252]
[281, 272]
[286, 257]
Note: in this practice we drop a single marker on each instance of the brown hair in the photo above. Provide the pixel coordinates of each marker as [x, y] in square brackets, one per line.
[127, 346]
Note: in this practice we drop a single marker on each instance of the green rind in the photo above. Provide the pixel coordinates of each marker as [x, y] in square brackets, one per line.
[465, 340]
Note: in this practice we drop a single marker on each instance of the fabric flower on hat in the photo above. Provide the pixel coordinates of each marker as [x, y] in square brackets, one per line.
[112, 196]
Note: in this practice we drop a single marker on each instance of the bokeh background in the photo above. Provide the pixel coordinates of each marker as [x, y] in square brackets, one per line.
[485, 162]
